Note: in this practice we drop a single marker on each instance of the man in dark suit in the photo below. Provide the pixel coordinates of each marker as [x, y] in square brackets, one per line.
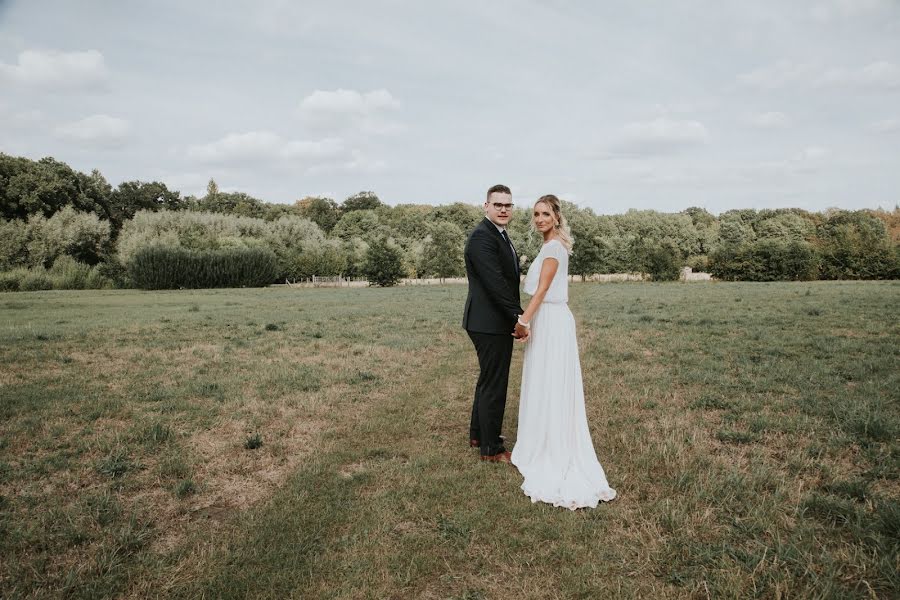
[491, 319]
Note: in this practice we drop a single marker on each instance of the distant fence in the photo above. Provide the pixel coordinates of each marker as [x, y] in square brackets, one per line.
[687, 275]
[317, 281]
[610, 277]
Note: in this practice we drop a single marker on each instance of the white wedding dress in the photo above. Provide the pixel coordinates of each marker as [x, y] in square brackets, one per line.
[553, 450]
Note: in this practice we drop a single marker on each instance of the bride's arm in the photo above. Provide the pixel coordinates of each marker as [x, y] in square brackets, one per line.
[548, 271]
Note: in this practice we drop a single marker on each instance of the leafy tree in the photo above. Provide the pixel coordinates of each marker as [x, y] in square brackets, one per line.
[587, 251]
[30, 187]
[384, 263]
[361, 201]
[443, 251]
[855, 245]
[273, 212]
[785, 226]
[414, 258]
[362, 224]
[707, 227]
[524, 238]
[212, 188]
[660, 261]
[237, 203]
[464, 216]
[736, 228]
[676, 231]
[355, 250]
[322, 211]
[132, 196]
[891, 220]
[406, 222]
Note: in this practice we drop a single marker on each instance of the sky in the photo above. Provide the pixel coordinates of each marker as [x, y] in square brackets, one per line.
[614, 106]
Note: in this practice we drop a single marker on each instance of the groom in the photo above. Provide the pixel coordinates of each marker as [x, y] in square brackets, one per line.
[491, 319]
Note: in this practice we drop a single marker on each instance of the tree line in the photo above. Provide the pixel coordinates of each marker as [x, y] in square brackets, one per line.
[60, 228]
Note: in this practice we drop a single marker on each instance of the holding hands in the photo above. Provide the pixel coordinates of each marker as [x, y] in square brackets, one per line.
[522, 330]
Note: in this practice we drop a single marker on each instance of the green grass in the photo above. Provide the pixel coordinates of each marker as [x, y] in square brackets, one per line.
[313, 443]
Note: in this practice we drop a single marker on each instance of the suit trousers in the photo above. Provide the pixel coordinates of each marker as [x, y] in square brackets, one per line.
[494, 356]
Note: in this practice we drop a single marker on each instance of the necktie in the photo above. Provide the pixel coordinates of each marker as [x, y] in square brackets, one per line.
[512, 250]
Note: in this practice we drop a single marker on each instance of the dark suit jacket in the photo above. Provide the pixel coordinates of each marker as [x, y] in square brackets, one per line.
[493, 303]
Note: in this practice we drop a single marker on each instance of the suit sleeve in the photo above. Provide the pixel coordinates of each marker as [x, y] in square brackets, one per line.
[484, 263]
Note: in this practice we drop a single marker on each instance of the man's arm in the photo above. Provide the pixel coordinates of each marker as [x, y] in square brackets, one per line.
[484, 263]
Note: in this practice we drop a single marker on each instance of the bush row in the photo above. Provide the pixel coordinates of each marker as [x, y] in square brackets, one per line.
[173, 267]
[777, 260]
[65, 274]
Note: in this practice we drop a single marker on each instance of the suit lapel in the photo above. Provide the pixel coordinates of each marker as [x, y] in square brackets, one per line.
[510, 249]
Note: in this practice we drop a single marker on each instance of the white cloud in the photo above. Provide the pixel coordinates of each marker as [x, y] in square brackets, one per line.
[812, 153]
[348, 101]
[659, 136]
[57, 70]
[837, 9]
[885, 126]
[358, 162]
[877, 75]
[881, 74]
[810, 159]
[770, 120]
[778, 75]
[20, 119]
[350, 109]
[261, 146]
[99, 130]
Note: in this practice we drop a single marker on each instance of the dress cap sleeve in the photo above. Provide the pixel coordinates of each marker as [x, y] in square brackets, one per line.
[555, 249]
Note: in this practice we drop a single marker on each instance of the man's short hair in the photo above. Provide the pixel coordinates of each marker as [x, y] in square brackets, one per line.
[499, 188]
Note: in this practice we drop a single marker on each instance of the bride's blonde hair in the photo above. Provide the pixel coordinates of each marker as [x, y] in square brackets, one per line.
[560, 223]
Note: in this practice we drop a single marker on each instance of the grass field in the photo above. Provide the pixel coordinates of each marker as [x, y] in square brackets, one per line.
[313, 443]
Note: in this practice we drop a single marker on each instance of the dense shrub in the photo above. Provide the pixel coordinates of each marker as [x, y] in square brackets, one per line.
[113, 271]
[39, 241]
[856, 245]
[167, 267]
[327, 260]
[69, 274]
[65, 274]
[13, 244]
[9, 280]
[34, 280]
[291, 238]
[661, 262]
[83, 236]
[766, 260]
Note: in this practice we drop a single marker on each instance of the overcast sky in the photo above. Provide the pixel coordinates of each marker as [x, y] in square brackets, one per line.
[612, 105]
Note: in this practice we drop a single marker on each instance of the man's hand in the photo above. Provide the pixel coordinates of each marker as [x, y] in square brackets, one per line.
[521, 332]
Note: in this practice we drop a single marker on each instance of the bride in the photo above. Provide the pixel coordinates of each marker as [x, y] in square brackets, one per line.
[554, 451]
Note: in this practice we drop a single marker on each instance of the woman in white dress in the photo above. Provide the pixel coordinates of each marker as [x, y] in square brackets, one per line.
[553, 450]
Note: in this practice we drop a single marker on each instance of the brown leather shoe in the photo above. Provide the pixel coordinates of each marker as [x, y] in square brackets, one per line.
[503, 457]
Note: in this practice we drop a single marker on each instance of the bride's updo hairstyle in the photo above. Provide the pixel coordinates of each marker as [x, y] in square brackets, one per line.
[559, 220]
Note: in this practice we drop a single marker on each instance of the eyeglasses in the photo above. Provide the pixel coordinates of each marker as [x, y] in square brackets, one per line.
[501, 207]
